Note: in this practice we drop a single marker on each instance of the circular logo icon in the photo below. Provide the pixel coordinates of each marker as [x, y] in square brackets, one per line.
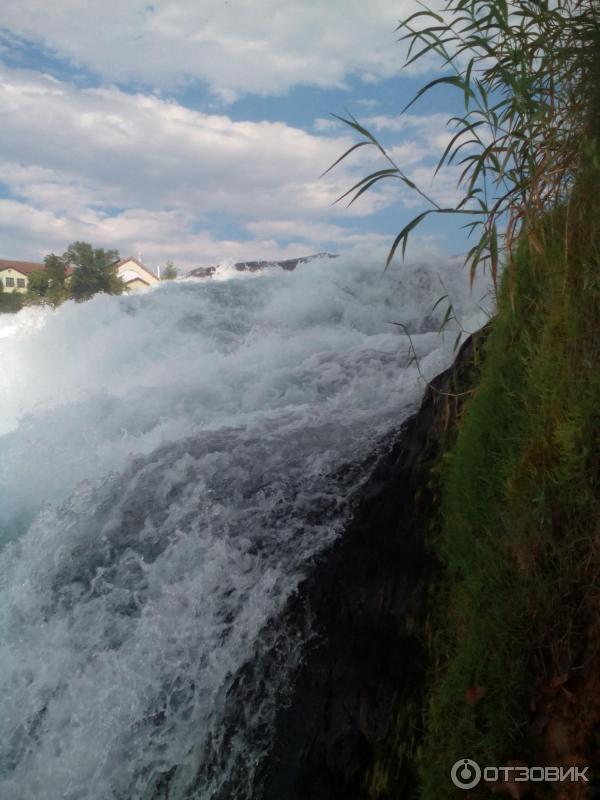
[465, 774]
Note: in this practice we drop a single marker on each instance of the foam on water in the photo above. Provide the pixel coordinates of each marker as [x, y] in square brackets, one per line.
[171, 464]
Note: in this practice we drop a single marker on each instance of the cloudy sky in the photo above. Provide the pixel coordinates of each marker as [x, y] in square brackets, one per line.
[196, 130]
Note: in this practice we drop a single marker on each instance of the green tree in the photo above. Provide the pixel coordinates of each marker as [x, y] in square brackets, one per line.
[55, 268]
[56, 271]
[37, 286]
[170, 272]
[48, 285]
[95, 271]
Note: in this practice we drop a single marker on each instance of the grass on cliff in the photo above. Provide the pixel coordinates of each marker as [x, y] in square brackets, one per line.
[519, 543]
[521, 503]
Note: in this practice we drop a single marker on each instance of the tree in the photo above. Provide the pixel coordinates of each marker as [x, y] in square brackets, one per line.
[95, 271]
[56, 268]
[37, 285]
[48, 285]
[170, 272]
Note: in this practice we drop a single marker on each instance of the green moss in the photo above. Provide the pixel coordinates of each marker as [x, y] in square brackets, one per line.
[520, 499]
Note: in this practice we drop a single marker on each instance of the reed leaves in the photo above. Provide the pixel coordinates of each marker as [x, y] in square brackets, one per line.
[518, 66]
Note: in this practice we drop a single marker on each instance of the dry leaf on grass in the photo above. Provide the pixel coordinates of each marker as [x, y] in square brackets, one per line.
[474, 694]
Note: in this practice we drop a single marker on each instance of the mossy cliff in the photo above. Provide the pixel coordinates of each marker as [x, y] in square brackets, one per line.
[516, 648]
[459, 615]
[517, 607]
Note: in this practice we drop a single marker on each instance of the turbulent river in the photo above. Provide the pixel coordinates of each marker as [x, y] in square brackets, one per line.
[171, 465]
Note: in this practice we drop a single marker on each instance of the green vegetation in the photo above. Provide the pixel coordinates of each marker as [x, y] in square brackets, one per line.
[95, 271]
[55, 270]
[521, 492]
[10, 302]
[80, 273]
[522, 69]
[519, 534]
[48, 286]
[521, 508]
[37, 285]
[170, 272]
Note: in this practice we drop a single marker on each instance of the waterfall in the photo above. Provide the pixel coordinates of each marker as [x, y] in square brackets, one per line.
[171, 466]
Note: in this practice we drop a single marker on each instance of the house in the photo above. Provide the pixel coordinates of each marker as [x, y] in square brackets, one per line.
[135, 275]
[14, 275]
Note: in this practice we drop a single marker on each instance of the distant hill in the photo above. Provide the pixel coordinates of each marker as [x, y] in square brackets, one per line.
[287, 264]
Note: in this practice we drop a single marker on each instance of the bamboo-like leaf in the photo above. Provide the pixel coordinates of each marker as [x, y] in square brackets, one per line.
[493, 243]
[467, 128]
[475, 255]
[341, 158]
[386, 174]
[438, 301]
[447, 317]
[421, 53]
[468, 91]
[519, 67]
[353, 123]
[372, 178]
[452, 80]
[402, 237]
[427, 13]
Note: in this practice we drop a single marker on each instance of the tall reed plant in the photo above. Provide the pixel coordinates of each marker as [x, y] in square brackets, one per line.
[519, 67]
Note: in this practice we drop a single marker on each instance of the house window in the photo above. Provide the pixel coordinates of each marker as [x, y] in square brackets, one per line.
[10, 281]
[21, 283]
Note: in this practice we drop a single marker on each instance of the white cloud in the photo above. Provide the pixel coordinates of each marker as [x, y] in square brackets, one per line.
[141, 173]
[426, 125]
[236, 47]
[138, 150]
[29, 232]
[34, 233]
[299, 229]
[324, 125]
[137, 172]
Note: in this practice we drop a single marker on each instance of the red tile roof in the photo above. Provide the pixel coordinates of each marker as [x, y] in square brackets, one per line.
[25, 267]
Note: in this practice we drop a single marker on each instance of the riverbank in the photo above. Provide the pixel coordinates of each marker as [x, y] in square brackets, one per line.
[515, 642]
[458, 615]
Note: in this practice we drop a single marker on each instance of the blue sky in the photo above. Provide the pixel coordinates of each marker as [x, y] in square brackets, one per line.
[197, 131]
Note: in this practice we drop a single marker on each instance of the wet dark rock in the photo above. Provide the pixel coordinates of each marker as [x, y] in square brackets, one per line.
[354, 718]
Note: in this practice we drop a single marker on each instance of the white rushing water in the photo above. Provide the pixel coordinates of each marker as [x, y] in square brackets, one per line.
[171, 464]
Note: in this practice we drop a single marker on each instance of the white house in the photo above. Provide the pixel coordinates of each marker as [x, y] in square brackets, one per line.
[135, 275]
[14, 275]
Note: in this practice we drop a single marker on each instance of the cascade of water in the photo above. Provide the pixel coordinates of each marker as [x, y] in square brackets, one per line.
[170, 466]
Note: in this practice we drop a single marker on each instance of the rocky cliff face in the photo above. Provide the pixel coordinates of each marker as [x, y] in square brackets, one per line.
[354, 719]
